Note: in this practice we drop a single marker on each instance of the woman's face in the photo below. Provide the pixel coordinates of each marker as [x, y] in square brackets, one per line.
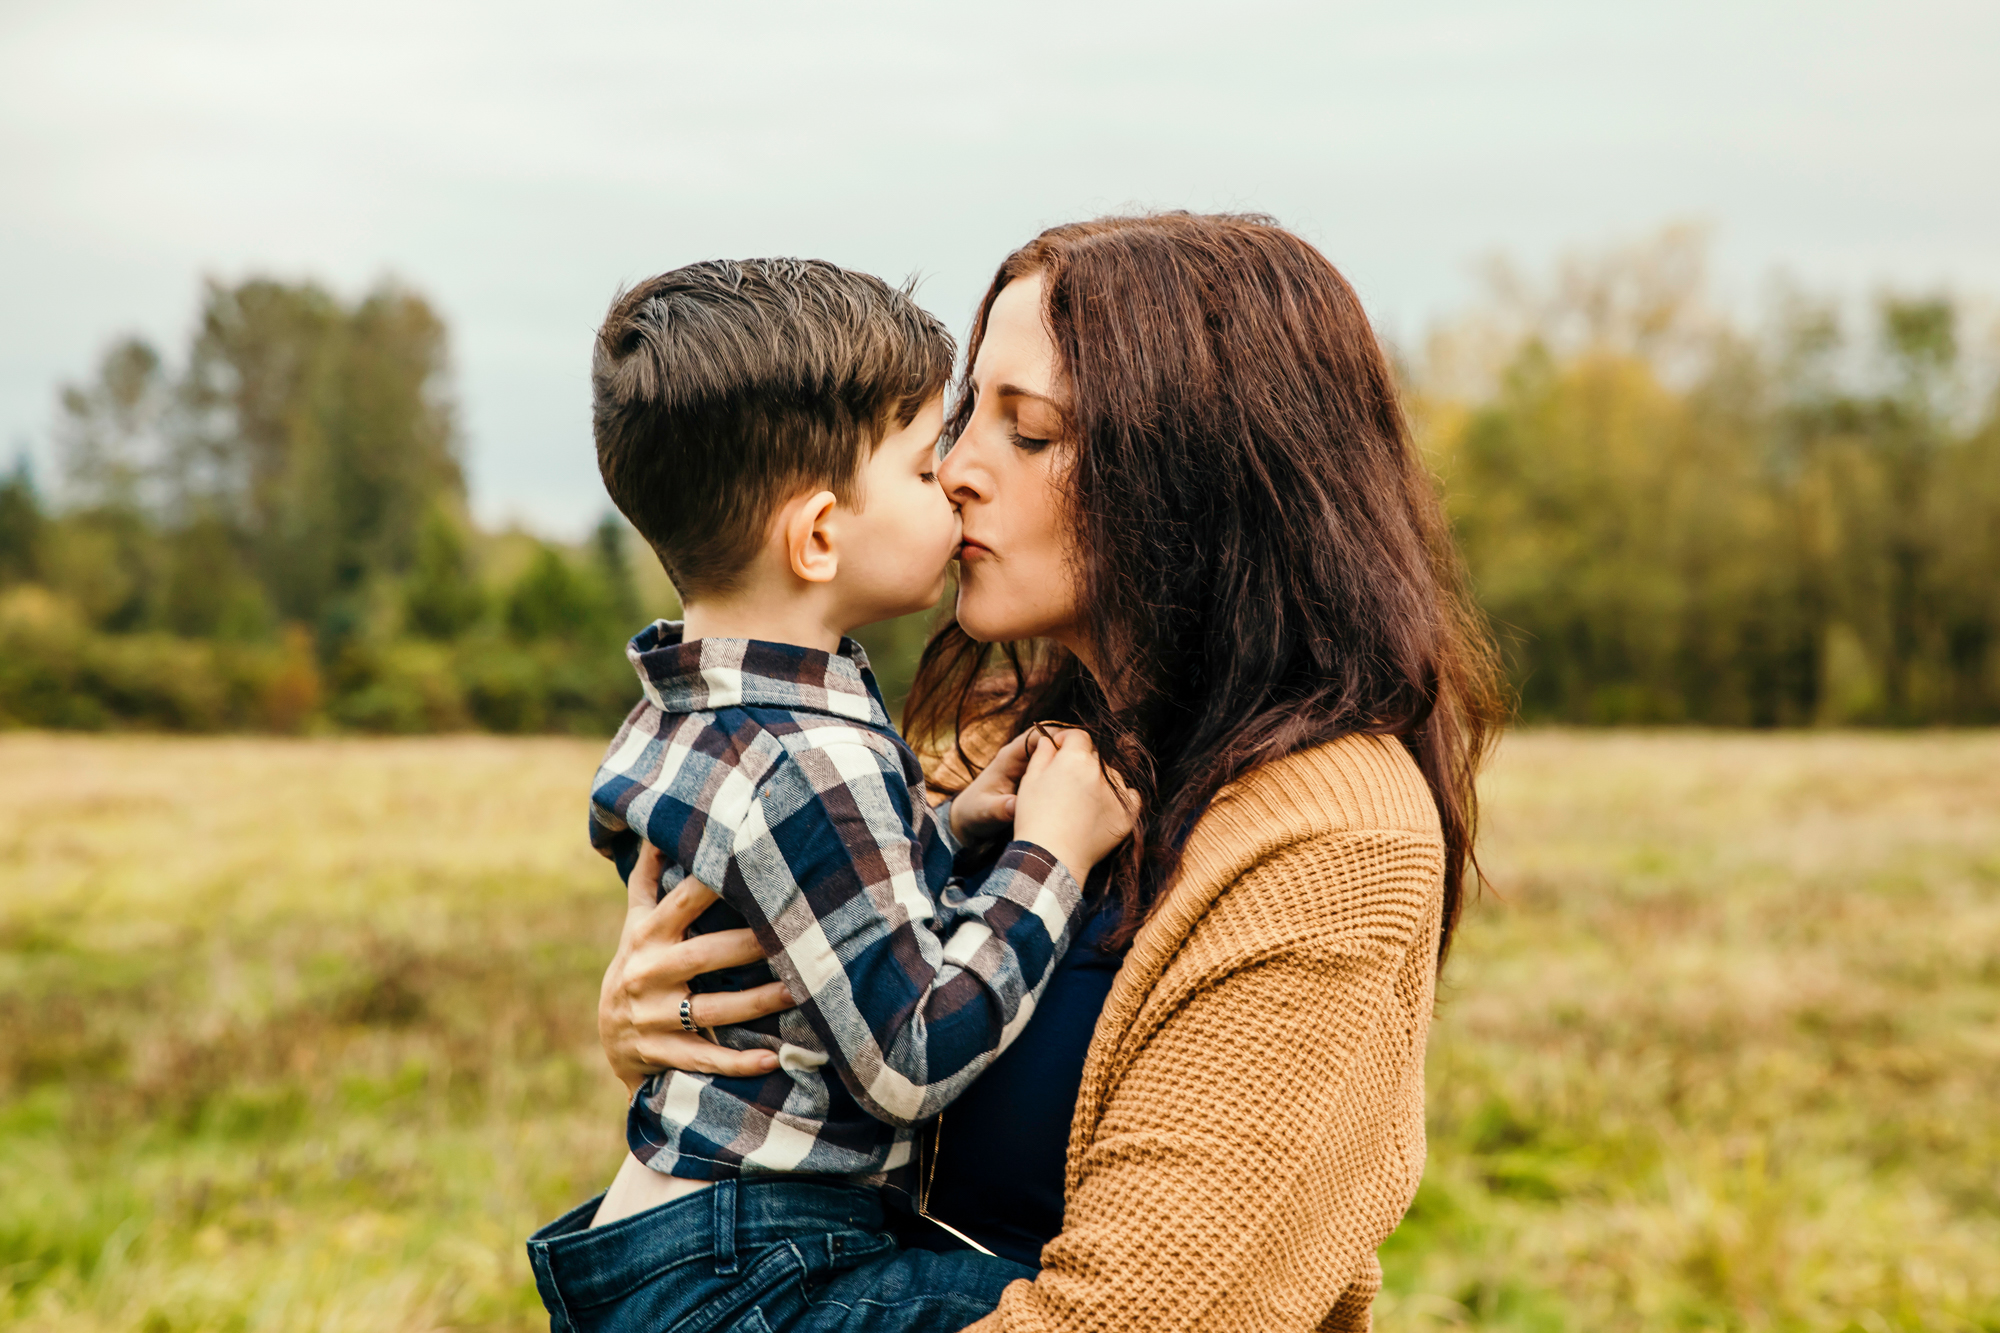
[1006, 473]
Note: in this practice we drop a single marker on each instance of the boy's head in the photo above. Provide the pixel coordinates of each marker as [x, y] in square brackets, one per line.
[723, 390]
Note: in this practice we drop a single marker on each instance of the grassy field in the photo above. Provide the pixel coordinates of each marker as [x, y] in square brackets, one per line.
[297, 1035]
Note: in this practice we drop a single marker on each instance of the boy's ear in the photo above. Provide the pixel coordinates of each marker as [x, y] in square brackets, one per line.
[809, 549]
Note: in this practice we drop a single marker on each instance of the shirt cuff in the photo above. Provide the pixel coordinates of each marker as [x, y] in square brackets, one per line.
[943, 812]
[1038, 865]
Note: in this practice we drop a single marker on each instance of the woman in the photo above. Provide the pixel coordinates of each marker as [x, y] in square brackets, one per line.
[1185, 478]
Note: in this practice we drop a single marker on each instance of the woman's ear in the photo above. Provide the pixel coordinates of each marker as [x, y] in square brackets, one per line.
[809, 549]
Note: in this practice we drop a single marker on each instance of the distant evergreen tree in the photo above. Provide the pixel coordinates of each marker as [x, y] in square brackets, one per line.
[442, 597]
[21, 524]
[610, 551]
[553, 600]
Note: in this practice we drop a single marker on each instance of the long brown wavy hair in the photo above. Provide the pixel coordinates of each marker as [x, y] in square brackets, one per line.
[1259, 549]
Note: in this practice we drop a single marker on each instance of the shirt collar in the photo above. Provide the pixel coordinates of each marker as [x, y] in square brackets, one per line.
[708, 674]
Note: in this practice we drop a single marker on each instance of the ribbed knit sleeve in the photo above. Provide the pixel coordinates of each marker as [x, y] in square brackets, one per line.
[1256, 1129]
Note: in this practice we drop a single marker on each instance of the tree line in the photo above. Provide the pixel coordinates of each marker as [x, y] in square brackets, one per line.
[273, 535]
[1672, 514]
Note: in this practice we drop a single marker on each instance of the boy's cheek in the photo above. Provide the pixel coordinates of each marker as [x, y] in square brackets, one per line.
[949, 530]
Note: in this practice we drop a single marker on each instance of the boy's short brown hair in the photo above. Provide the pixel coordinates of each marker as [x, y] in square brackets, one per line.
[722, 389]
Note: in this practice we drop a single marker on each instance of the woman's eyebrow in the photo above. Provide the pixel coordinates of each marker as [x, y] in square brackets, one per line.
[1016, 391]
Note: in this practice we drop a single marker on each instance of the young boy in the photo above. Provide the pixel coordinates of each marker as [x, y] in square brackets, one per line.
[770, 427]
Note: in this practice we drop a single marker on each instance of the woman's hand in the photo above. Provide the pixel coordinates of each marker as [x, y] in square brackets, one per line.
[639, 1006]
[1069, 803]
[983, 811]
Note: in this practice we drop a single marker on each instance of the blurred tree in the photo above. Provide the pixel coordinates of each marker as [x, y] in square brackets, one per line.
[1670, 520]
[609, 547]
[442, 597]
[553, 600]
[327, 432]
[209, 592]
[1670, 517]
[106, 562]
[1920, 338]
[1967, 573]
[110, 431]
[299, 486]
[21, 525]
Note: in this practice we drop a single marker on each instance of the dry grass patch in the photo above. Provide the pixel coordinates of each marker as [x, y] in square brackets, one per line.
[1722, 1052]
[294, 1035]
[297, 1035]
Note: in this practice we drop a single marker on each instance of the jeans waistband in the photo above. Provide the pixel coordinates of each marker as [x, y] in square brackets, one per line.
[589, 1265]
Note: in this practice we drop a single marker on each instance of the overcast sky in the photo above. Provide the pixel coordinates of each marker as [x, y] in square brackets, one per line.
[518, 163]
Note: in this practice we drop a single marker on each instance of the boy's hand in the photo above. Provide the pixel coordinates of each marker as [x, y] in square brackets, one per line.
[985, 808]
[1069, 803]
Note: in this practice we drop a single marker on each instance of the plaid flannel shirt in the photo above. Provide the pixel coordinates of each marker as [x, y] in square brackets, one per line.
[772, 774]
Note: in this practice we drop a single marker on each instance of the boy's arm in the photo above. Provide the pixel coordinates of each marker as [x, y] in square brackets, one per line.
[610, 836]
[839, 870]
[616, 844]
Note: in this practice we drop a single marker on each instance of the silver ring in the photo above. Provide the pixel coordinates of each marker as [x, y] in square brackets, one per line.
[687, 1014]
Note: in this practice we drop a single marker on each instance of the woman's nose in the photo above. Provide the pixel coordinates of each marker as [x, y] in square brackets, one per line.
[958, 472]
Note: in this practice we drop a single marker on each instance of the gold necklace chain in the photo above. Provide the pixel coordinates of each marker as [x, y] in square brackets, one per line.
[924, 1188]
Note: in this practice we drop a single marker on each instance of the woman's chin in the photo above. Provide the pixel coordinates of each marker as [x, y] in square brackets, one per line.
[976, 618]
[986, 623]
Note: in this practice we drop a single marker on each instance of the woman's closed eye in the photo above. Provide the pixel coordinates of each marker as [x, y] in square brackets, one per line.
[1025, 443]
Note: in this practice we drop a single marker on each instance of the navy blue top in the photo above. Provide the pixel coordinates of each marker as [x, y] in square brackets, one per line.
[1002, 1144]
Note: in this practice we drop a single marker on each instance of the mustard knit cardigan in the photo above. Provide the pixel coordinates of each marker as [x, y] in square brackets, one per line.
[1251, 1123]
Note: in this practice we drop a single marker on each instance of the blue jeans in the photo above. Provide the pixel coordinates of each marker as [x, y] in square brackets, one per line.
[779, 1255]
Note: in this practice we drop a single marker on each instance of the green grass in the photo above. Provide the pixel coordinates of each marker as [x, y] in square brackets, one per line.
[298, 1035]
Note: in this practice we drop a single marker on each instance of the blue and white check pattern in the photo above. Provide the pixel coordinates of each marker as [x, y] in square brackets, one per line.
[772, 774]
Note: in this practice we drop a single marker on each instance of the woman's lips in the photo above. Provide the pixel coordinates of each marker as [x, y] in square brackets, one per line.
[969, 549]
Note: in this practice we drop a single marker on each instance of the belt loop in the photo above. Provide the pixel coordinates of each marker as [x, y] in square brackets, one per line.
[724, 1193]
[551, 1292]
